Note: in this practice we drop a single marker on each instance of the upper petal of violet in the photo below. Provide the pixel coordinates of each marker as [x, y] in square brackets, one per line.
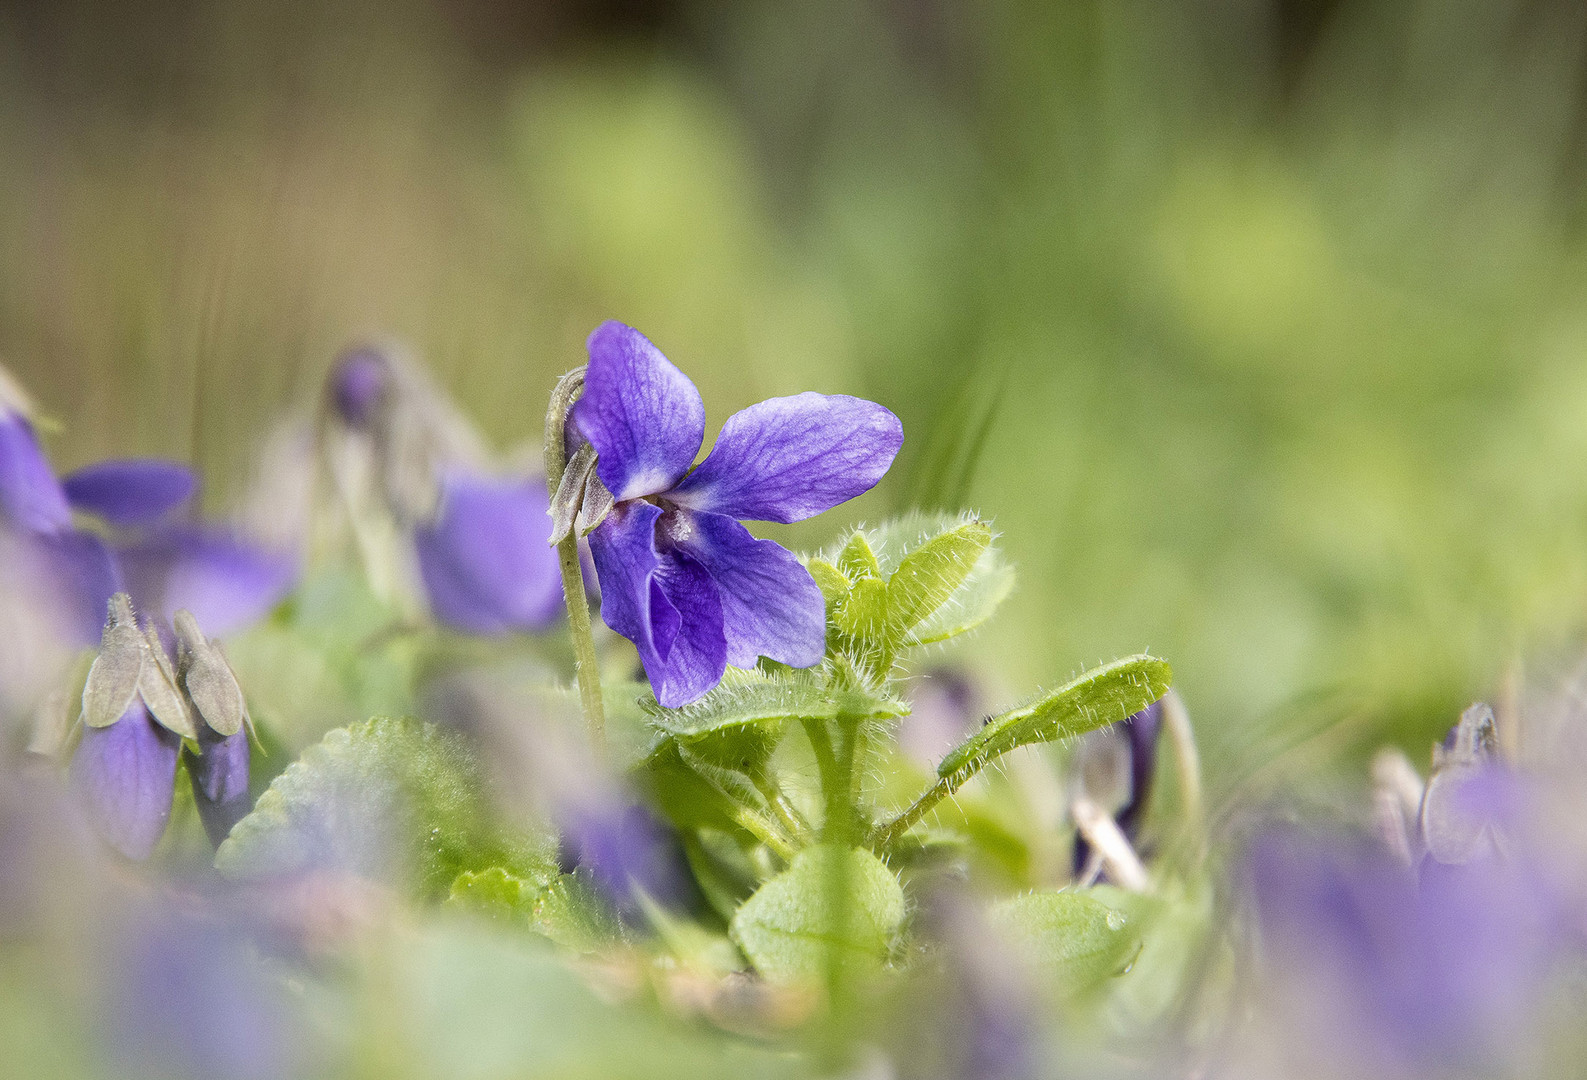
[138, 491]
[125, 775]
[484, 560]
[643, 416]
[770, 603]
[30, 496]
[790, 458]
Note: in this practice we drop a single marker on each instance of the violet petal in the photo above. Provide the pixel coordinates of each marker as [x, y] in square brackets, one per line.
[698, 655]
[643, 416]
[770, 603]
[137, 491]
[30, 496]
[220, 782]
[623, 548]
[125, 774]
[790, 458]
[485, 562]
[225, 582]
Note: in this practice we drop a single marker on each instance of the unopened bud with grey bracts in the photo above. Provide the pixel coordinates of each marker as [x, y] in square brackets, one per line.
[138, 709]
[1111, 776]
[219, 768]
[124, 769]
[1453, 826]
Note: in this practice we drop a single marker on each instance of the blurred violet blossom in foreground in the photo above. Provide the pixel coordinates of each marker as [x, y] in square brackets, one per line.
[1376, 967]
[186, 996]
[126, 769]
[680, 577]
[427, 512]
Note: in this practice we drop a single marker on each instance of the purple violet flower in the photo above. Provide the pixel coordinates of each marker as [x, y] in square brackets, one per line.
[125, 775]
[481, 552]
[125, 771]
[680, 577]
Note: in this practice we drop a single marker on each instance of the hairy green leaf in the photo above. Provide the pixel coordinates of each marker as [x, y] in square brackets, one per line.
[746, 698]
[395, 800]
[929, 575]
[1095, 699]
[832, 904]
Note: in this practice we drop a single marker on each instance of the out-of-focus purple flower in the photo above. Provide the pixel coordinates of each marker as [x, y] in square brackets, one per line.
[626, 851]
[124, 770]
[484, 559]
[478, 540]
[226, 582]
[359, 384]
[680, 577]
[130, 493]
[943, 713]
[124, 774]
[187, 997]
[219, 774]
[1377, 970]
[1114, 767]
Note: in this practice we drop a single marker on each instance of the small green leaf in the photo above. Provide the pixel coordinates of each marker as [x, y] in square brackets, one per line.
[394, 800]
[831, 904]
[929, 575]
[945, 577]
[863, 616]
[113, 679]
[857, 560]
[566, 910]
[495, 894]
[569, 912]
[986, 586]
[1095, 699]
[830, 580]
[1071, 934]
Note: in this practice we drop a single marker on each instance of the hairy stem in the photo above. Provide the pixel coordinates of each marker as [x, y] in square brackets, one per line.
[585, 665]
[886, 835]
[787, 813]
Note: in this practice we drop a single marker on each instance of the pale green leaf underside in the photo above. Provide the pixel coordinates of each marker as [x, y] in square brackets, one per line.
[831, 904]
[1069, 934]
[754, 697]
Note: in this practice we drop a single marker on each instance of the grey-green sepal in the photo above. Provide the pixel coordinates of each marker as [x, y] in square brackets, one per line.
[157, 683]
[1095, 699]
[580, 501]
[113, 678]
[210, 683]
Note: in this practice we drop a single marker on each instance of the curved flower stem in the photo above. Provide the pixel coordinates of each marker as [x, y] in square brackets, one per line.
[886, 835]
[585, 665]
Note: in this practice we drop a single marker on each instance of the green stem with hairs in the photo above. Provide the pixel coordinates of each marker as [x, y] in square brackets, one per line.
[585, 666]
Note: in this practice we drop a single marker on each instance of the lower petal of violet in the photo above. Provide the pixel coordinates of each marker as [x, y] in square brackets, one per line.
[125, 775]
[486, 566]
[770, 603]
[220, 782]
[224, 581]
[698, 655]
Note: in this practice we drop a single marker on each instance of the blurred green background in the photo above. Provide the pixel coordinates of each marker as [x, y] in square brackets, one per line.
[1256, 326]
